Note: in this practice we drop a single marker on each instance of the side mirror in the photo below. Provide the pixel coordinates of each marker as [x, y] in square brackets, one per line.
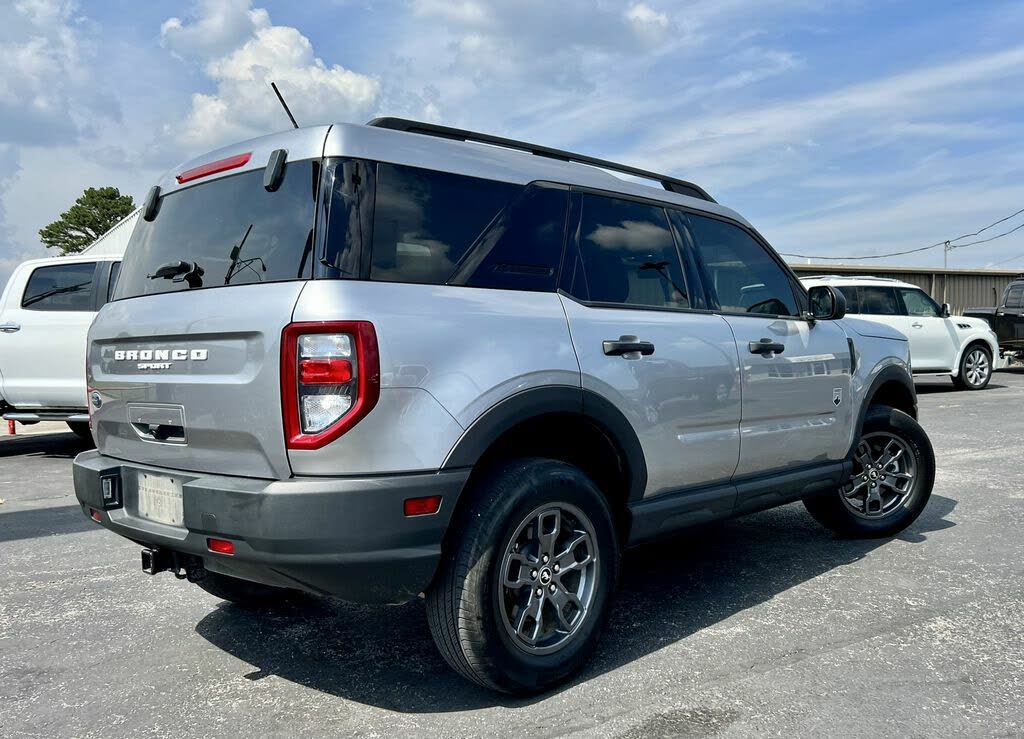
[946, 312]
[827, 303]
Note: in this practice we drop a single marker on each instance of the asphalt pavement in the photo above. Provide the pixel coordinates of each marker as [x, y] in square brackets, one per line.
[761, 626]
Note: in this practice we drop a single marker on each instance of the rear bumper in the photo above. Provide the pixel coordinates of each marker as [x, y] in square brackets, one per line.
[346, 537]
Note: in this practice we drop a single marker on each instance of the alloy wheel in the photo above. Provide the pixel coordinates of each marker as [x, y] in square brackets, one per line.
[883, 477]
[977, 367]
[548, 577]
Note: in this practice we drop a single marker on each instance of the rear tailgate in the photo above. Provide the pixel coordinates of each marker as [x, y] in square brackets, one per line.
[207, 361]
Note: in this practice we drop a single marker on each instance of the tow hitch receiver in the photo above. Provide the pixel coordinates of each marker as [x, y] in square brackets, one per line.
[166, 560]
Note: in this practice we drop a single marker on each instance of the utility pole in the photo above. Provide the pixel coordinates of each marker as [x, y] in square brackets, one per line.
[946, 249]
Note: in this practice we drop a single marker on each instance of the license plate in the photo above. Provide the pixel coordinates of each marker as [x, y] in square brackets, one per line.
[160, 499]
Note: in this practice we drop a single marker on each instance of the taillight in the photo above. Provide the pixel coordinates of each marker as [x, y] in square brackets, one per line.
[330, 379]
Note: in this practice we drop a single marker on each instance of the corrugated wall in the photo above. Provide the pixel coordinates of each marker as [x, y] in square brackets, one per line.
[961, 288]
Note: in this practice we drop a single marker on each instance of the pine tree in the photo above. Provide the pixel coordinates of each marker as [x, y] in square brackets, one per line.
[95, 212]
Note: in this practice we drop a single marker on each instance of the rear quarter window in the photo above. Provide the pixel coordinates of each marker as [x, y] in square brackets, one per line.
[61, 287]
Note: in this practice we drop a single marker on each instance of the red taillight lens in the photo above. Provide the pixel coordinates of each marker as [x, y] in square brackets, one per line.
[220, 546]
[221, 165]
[330, 379]
[422, 506]
[324, 371]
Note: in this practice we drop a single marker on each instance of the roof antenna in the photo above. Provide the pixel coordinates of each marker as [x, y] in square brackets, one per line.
[284, 104]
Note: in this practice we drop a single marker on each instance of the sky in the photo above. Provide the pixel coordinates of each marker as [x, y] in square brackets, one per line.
[839, 128]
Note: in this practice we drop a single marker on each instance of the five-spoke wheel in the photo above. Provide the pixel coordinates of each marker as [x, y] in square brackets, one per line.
[883, 475]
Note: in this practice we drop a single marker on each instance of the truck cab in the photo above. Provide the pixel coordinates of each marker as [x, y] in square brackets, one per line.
[45, 314]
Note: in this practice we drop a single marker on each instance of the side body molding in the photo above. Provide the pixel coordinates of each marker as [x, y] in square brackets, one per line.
[539, 402]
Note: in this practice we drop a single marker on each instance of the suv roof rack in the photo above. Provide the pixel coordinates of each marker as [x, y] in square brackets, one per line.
[671, 184]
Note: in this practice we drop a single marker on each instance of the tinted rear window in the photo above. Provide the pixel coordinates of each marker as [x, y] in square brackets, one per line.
[879, 301]
[62, 287]
[207, 223]
[425, 221]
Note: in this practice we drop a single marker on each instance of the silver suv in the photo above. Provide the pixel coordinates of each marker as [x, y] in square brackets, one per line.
[399, 359]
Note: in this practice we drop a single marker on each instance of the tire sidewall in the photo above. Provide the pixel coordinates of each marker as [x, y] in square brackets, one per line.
[963, 367]
[547, 482]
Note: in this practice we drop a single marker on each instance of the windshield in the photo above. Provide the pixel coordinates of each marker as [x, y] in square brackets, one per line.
[229, 231]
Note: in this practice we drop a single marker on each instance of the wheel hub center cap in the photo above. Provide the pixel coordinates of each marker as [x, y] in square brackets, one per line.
[545, 576]
[873, 474]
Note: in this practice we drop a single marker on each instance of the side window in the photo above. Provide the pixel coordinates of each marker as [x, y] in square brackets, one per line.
[523, 247]
[115, 270]
[850, 293]
[62, 287]
[1015, 297]
[919, 304]
[628, 255]
[743, 274]
[424, 221]
[879, 301]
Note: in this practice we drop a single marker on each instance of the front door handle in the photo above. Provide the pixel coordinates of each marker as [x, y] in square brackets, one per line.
[627, 345]
[9, 328]
[765, 347]
[917, 325]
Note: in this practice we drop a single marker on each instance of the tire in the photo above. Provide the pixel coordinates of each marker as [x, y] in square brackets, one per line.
[900, 500]
[975, 368]
[243, 593]
[472, 612]
[82, 431]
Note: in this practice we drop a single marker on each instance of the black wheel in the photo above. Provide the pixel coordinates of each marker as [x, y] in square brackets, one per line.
[975, 368]
[893, 474]
[523, 592]
[243, 592]
[82, 431]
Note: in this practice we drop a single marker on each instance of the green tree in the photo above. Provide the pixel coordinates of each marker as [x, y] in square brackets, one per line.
[95, 212]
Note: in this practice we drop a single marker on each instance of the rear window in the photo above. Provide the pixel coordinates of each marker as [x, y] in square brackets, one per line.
[879, 301]
[62, 287]
[232, 228]
[850, 293]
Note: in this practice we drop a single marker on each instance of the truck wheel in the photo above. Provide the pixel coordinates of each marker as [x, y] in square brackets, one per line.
[82, 431]
[523, 592]
[975, 368]
[893, 474]
[241, 592]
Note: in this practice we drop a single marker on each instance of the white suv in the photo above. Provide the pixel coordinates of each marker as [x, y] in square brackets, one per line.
[940, 344]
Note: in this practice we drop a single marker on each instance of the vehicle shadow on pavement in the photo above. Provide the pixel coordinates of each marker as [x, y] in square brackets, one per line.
[33, 523]
[383, 656]
[54, 446]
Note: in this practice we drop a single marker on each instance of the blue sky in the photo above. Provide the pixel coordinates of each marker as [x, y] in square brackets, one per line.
[837, 128]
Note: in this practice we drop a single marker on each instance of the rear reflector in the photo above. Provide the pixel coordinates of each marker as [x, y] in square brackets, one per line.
[221, 546]
[422, 506]
[221, 165]
[324, 371]
[95, 515]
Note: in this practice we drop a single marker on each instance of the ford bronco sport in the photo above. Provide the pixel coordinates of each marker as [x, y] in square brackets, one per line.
[399, 359]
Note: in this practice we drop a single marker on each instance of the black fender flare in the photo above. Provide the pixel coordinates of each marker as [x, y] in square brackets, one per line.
[538, 402]
[888, 374]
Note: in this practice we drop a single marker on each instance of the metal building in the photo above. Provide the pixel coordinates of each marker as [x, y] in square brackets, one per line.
[961, 288]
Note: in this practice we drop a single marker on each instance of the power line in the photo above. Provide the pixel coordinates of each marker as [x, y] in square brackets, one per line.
[946, 243]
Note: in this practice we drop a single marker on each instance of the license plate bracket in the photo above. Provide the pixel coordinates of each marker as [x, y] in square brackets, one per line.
[160, 498]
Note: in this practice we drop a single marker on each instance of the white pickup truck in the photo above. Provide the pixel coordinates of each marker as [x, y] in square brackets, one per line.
[45, 313]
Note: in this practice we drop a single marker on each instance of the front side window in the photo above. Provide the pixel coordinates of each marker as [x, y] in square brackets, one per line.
[742, 273]
[626, 255]
[62, 287]
[1015, 297]
[879, 301]
[919, 304]
[424, 221]
[231, 228]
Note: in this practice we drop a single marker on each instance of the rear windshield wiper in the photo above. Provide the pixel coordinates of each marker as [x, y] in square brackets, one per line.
[180, 271]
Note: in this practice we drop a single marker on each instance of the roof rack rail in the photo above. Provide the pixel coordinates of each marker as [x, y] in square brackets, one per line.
[671, 184]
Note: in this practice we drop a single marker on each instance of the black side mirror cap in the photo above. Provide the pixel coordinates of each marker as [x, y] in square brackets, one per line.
[946, 311]
[827, 303]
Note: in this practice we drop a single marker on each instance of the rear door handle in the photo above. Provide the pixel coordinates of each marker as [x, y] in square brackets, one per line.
[766, 347]
[9, 328]
[917, 325]
[627, 345]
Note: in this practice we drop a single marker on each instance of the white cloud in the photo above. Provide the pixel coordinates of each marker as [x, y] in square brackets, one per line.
[645, 17]
[242, 53]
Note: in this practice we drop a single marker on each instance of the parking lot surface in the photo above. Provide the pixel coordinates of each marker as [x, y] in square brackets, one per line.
[766, 625]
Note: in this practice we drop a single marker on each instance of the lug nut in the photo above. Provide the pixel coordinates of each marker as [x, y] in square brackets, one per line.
[539, 592]
[557, 568]
[533, 574]
[544, 559]
[551, 587]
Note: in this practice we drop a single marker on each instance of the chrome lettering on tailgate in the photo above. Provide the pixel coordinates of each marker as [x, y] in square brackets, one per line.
[160, 359]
